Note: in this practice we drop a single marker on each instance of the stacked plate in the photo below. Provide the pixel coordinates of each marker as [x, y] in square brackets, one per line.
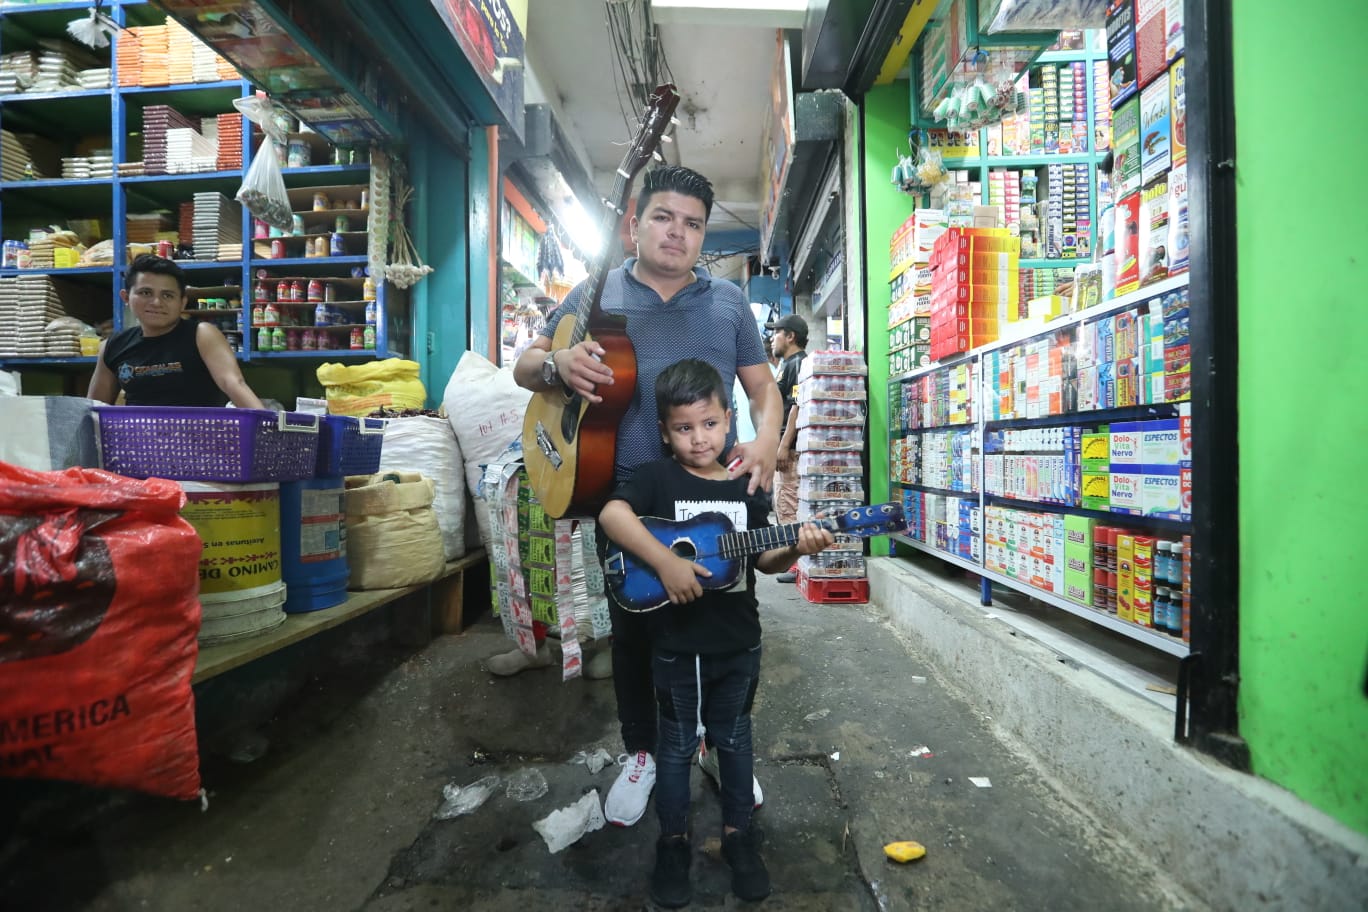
[102, 165]
[180, 53]
[157, 120]
[217, 227]
[63, 337]
[37, 304]
[55, 72]
[203, 61]
[128, 56]
[9, 317]
[153, 45]
[77, 168]
[94, 78]
[229, 142]
[188, 151]
[142, 227]
[131, 169]
[13, 157]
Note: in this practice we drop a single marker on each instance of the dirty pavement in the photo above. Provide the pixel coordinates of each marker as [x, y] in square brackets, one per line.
[340, 748]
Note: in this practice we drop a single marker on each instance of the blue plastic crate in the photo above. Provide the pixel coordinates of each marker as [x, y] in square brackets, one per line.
[349, 446]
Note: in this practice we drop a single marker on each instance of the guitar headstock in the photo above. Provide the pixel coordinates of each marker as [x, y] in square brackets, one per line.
[873, 520]
[664, 99]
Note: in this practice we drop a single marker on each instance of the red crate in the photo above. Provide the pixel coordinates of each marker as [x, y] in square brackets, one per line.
[831, 591]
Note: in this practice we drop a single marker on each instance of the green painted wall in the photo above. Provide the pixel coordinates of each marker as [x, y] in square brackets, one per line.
[1303, 343]
[885, 131]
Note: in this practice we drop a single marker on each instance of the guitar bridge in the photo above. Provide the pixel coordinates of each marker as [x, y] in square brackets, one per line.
[548, 446]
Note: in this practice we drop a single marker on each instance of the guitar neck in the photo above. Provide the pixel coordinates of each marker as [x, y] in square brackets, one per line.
[613, 207]
[739, 544]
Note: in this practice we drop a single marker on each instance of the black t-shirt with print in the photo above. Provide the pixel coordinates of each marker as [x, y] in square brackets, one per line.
[162, 370]
[719, 622]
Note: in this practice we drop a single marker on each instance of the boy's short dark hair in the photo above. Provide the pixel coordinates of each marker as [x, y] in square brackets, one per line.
[676, 179]
[149, 263]
[686, 382]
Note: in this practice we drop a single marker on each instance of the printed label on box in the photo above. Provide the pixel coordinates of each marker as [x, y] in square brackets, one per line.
[1160, 495]
[1125, 493]
[1155, 130]
[1160, 443]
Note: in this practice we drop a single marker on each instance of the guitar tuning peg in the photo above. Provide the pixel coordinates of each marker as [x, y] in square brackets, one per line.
[674, 120]
[668, 139]
[658, 157]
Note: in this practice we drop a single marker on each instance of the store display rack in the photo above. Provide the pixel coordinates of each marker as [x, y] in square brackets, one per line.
[950, 524]
[69, 117]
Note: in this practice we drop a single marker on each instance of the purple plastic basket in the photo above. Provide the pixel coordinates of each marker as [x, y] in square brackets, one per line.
[349, 446]
[207, 444]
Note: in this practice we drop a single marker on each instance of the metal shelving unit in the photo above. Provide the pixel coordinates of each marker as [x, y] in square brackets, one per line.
[58, 113]
[980, 427]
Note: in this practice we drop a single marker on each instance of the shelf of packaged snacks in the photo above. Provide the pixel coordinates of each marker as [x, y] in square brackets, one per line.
[962, 562]
[1162, 641]
[944, 492]
[1099, 416]
[1158, 524]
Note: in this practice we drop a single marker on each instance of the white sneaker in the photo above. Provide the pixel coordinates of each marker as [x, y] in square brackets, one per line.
[627, 798]
[510, 663]
[707, 762]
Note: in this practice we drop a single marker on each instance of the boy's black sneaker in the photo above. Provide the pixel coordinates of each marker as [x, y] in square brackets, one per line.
[670, 885]
[750, 879]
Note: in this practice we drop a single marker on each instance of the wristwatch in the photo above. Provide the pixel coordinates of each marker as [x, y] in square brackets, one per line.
[549, 373]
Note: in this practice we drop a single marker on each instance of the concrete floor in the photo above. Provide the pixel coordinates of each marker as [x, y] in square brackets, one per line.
[363, 734]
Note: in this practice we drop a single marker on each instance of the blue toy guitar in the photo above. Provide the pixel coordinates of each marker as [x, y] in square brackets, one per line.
[710, 539]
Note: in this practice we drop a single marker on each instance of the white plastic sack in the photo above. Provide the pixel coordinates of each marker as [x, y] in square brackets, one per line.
[428, 446]
[56, 432]
[485, 407]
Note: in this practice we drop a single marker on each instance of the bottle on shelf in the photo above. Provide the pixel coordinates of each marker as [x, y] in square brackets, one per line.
[270, 315]
[358, 340]
[258, 314]
[278, 339]
[297, 292]
[368, 289]
[264, 339]
[368, 338]
[315, 290]
[321, 315]
[370, 313]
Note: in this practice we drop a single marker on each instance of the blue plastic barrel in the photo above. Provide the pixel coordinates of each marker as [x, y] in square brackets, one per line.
[313, 544]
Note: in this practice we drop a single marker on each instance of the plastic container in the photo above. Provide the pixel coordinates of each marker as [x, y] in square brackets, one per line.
[206, 444]
[313, 544]
[349, 446]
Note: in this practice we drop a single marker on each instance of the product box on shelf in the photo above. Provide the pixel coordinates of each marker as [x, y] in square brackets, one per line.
[1121, 50]
[1178, 111]
[1127, 148]
[1155, 129]
[1078, 559]
[1125, 576]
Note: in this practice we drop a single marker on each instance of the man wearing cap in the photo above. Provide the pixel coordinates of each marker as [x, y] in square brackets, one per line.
[789, 341]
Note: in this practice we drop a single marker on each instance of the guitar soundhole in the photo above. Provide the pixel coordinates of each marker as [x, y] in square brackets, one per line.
[685, 549]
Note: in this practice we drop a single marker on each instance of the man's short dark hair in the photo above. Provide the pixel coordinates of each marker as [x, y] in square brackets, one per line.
[686, 382]
[155, 265]
[676, 179]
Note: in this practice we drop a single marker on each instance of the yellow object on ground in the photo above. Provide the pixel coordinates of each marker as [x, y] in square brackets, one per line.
[359, 389]
[905, 851]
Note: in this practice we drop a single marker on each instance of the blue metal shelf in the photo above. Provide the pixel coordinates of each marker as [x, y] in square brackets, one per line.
[10, 9]
[54, 96]
[49, 183]
[59, 273]
[69, 361]
[358, 260]
[321, 353]
[235, 84]
[189, 177]
[363, 168]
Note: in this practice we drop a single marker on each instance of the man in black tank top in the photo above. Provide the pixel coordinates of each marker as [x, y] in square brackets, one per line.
[167, 360]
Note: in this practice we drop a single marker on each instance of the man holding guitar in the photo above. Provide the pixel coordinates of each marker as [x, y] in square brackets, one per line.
[673, 310]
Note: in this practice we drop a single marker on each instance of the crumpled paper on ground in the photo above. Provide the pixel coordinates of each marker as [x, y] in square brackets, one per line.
[565, 826]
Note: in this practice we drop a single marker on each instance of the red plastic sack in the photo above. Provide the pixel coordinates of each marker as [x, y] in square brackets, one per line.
[99, 610]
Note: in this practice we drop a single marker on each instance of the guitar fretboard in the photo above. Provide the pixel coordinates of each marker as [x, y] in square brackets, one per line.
[732, 545]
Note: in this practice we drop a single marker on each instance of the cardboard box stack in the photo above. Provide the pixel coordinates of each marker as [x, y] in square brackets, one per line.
[974, 288]
[909, 312]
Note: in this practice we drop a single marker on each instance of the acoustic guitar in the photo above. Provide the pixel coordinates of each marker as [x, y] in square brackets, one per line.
[568, 442]
[710, 539]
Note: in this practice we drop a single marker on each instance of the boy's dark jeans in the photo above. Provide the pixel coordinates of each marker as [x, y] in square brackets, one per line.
[728, 687]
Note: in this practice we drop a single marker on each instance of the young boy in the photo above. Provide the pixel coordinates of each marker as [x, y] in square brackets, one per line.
[705, 645]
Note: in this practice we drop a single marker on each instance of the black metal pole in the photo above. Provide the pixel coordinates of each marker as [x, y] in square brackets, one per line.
[1213, 669]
